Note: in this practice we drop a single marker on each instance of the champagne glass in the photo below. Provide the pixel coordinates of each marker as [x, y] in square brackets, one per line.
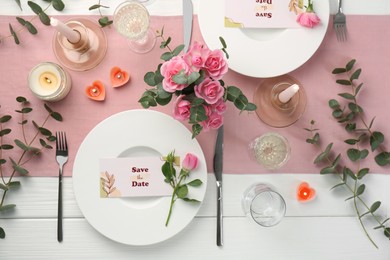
[132, 20]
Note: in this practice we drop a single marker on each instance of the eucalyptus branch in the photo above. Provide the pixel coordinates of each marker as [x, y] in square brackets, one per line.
[27, 24]
[27, 148]
[103, 20]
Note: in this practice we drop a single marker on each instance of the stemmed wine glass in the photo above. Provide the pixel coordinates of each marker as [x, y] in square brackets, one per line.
[132, 20]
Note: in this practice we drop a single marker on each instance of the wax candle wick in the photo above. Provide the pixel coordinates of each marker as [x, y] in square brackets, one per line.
[119, 75]
[48, 80]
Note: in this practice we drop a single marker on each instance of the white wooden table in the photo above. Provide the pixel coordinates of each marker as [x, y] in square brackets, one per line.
[322, 229]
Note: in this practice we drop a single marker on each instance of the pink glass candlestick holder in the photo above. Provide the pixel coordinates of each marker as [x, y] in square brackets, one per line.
[85, 54]
[271, 110]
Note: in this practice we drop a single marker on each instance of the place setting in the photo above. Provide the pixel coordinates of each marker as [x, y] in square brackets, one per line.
[157, 117]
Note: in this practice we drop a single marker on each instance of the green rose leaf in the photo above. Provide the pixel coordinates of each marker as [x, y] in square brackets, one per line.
[168, 171]
[195, 183]
[182, 191]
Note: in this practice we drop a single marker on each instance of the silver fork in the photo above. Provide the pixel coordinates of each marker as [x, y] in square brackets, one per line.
[340, 24]
[62, 158]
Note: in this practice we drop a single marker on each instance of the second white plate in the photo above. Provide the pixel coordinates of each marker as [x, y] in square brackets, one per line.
[262, 53]
[135, 221]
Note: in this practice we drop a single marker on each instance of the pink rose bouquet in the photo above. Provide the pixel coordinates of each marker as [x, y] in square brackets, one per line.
[194, 81]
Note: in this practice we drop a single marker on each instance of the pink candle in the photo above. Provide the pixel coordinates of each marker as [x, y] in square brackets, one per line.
[65, 30]
[288, 93]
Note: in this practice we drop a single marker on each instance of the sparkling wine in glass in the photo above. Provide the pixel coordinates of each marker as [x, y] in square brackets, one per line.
[132, 20]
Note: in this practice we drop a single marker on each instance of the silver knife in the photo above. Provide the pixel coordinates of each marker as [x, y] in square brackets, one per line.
[187, 23]
[218, 167]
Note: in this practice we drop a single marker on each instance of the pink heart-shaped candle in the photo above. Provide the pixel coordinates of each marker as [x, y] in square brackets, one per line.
[118, 77]
[96, 91]
[305, 192]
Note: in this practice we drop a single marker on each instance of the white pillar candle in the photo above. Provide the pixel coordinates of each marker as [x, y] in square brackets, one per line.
[288, 93]
[65, 30]
[48, 81]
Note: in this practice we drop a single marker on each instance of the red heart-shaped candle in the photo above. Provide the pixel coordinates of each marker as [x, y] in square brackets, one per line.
[305, 192]
[118, 77]
[97, 91]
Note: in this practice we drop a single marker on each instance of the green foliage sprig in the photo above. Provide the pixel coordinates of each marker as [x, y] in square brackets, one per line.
[351, 178]
[177, 182]
[30, 148]
[27, 24]
[103, 20]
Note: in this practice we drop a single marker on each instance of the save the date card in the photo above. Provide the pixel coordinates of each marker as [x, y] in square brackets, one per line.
[132, 177]
[261, 13]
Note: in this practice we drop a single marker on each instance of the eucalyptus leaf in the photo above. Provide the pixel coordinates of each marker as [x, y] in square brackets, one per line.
[20, 6]
[57, 116]
[333, 103]
[13, 33]
[197, 114]
[21, 145]
[355, 75]
[327, 170]
[177, 50]
[223, 42]
[233, 93]
[360, 189]
[5, 131]
[347, 96]
[344, 82]
[21, 99]
[163, 101]
[350, 65]
[35, 7]
[3, 187]
[339, 70]
[349, 172]
[241, 102]
[14, 184]
[2, 232]
[354, 107]
[190, 200]
[149, 79]
[376, 139]
[324, 154]
[353, 154]
[105, 21]
[7, 207]
[382, 158]
[5, 118]
[362, 172]
[357, 90]
[58, 5]
[44, 18]
[6, 147]
[338, 185]
[337, 113]
[375, 206]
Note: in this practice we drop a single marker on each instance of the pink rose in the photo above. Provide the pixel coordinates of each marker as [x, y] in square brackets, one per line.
[214, 121]
[220, 106]
[196, 56]
[170, 69]
[216, 65]
[181, 110]
[308, 19]
[190, 162]
[210, 90]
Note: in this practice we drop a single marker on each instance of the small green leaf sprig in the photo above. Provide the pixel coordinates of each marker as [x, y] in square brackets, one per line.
[354, 112]
[103, 20]
[351, 116]
[177, 182]
[198, 114]
[27, 24]
[30, 148]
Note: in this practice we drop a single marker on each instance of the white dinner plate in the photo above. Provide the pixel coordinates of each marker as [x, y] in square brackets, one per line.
[135, 221]
[262, 53]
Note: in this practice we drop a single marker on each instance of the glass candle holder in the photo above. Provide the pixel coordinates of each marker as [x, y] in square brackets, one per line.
[49, 82]
[271, 110]
[271, 150]
[85, 54]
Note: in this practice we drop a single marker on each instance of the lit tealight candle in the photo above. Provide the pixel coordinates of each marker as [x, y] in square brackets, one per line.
[305, 192]
[48, 81]
[288, 93]
[65, 30]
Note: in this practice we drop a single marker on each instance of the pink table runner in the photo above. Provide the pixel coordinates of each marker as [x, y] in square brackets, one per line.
[368, 42]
